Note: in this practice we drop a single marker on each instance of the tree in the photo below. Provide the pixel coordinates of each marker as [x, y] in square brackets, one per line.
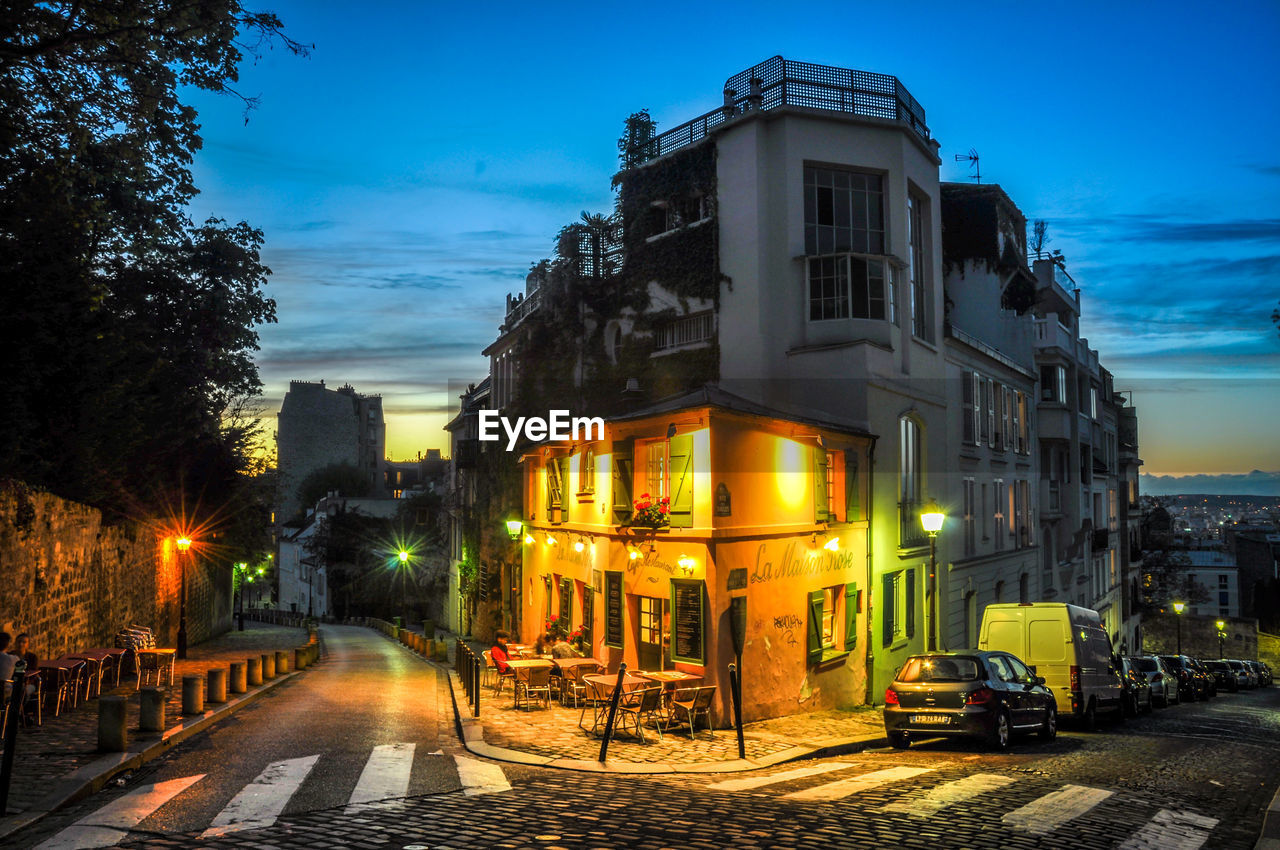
[126, 329]
[1165, 580]
[1039, 236]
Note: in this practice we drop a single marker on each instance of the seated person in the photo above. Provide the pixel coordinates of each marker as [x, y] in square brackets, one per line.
[500, 654]
[563, 649]
[542, 645]
[7, 661]
[22, 649]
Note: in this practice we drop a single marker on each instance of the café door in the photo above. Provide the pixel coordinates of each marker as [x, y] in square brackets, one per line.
[649, 637]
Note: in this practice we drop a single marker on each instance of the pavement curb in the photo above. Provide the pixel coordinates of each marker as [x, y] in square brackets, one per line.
[93, 776]
[1270, 839]
[471, 734]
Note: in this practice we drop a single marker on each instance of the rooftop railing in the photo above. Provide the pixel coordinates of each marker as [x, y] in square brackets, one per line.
[779, 82]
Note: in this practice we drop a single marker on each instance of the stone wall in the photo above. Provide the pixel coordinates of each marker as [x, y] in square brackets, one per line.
[1269, 650]
[72, 582]
[1200, 636]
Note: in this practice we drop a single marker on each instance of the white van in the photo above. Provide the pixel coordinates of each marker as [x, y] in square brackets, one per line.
[1067, 645]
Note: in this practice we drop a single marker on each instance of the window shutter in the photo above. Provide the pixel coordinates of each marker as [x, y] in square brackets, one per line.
[966, 395]
[815, 625]
[1018, 401]
[984, 412]
[850, 615]
[623, 506]
[554, 490]
[566, 604]
[820, 485]
[681, 448]
[886, 607]
[566, 482]
[852, 495]
[910, 603]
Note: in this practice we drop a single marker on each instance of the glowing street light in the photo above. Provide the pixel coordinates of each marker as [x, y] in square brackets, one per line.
[1177, 607]
[184, 547]
[404, 556]
[513, 528]
[1222, 634]
[931, 519]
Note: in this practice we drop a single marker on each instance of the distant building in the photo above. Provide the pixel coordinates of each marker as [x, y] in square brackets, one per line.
[427, 474]
[1217, 573]
[317, 427]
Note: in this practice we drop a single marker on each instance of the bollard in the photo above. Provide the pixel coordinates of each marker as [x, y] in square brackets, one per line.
[268, 665]
[442, 651]
[113, 737]
[613, 711]
[217, 690]
[239, 679]
[299, 659]
[151, 710]
[193, 694]
[253, 669]
[282, 661]
[429, 647]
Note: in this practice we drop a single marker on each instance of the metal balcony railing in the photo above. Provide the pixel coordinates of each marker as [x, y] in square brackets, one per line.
[686, 330]
[779, 82]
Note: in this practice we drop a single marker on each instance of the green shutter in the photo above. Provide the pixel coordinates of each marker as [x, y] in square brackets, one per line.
[850, 615]
[623, 506]
[910, 603]
[681, 481]
[555, 491]
[820, 485]
[566, 604]
[566, 486]
[852, 494]
[815, 625]
[886, 607]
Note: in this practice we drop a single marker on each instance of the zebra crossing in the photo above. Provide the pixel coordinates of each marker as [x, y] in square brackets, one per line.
[1168, 829]
[260, 803]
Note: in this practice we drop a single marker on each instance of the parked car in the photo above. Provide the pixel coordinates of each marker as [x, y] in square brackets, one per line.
[1245, 677]
[1066, 645]
[1223, 676]
[1206, 686]
[1261, 672]
[1137, 690]
[1268, 678]
[992, 695]
[1178, 665]
[1164, 682]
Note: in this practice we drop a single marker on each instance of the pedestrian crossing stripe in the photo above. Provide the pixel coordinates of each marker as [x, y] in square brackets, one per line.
[385, 775]
[261, 801]
[751, 782]
[1170, 830]
[1045, 814]
[842, 788]
[949, 794]
[110, 824]
[479, 777]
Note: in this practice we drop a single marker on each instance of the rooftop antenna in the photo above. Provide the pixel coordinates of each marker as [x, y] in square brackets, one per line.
[972, 158]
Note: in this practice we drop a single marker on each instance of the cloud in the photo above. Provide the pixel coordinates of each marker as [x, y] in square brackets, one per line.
[1255, 483]
[1159, 227]
[1272, 170]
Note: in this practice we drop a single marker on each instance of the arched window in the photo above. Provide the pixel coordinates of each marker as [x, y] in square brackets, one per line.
[910, 483]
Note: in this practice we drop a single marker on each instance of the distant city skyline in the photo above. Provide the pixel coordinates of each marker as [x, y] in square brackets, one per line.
[406, 179]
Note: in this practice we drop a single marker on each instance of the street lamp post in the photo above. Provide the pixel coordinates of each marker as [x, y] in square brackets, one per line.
[1177, 607]
[311, 571]
[932, 518]
[242, 569]
[184, 546]
[1222, 634]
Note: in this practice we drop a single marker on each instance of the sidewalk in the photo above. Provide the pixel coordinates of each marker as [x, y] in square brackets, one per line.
[58, 762]
[553, 738]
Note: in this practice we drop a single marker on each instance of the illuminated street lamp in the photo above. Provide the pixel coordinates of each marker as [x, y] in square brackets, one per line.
[184, 545]
[1222, 634]
[241, 570]
[931, 519]
[513, 528]
[1177, 607]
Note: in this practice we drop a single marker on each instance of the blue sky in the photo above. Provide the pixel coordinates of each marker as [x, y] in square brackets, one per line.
[411, 169]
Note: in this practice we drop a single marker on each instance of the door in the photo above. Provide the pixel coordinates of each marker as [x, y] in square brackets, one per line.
[1010, 690]
[649, 634]
[1032, 703]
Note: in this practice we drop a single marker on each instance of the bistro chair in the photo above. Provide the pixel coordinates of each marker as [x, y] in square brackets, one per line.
[596, 700]
[31, 702]
[688, 704]
[641, 706]
[531, 683]
[572, 686]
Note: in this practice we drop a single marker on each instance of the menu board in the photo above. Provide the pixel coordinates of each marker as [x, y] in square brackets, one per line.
[613, 609]
[687, 615]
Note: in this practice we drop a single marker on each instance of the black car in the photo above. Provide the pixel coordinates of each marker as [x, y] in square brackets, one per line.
[1224, 677]
[992, 695]
[1135, 689]
[1177, 664]
[1206, 684]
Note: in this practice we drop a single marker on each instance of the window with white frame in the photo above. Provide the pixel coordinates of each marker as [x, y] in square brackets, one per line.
[845, 242]
[918, 270]
[587, 470]
[970, 532]
[997, 517]
[656, 479]
[910, 481]
[846, 287]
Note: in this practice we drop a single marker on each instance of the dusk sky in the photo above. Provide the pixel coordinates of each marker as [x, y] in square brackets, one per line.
[409, 171]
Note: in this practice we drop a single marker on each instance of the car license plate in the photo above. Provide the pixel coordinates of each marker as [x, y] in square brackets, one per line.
[931, 719]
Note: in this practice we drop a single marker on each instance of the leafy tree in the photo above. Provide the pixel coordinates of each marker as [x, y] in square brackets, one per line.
[126, 329]
[1165, 580]
[346, 478]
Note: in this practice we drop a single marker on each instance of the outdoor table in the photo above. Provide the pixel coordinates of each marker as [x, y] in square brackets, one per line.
[520, 665]
[61, 674]
[162, 660]
[602, 686]
[93, 674]
[672, 680]
[112, 659]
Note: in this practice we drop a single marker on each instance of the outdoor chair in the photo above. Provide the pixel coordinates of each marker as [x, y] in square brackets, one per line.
[495, 677]
[572, 686]
[533, 683]
[641, 706]
[596, 700]
[31, 703]
[688, 704]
